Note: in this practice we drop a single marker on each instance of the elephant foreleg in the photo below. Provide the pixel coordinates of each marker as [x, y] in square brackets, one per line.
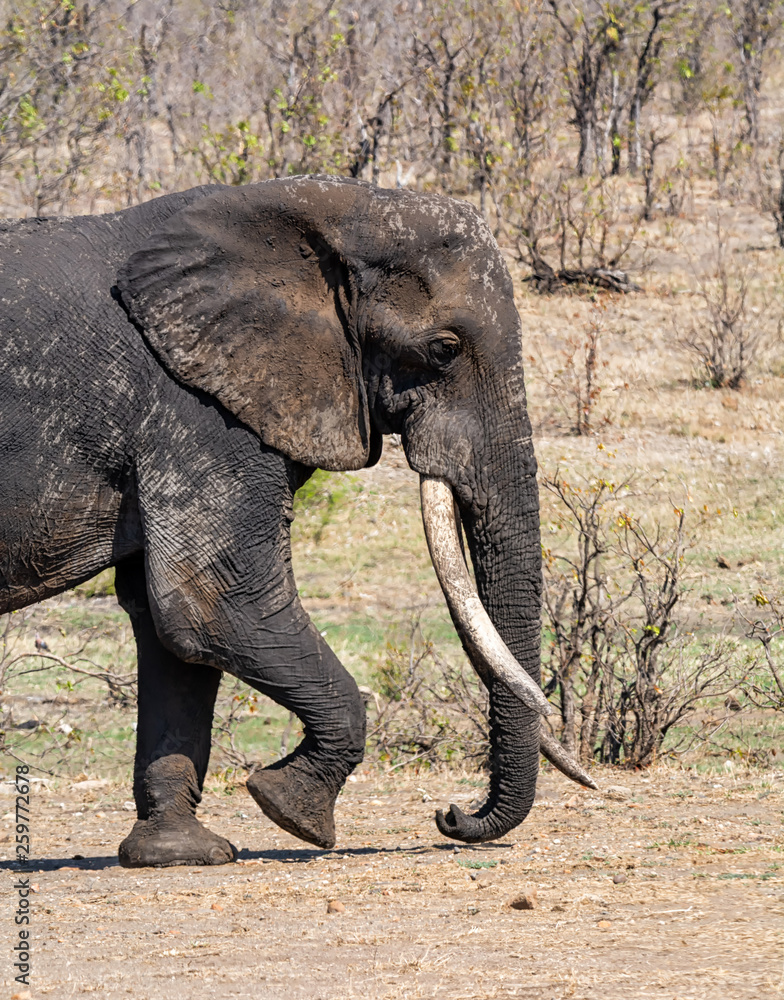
[176, 702]
[296, 668]
[222, 592]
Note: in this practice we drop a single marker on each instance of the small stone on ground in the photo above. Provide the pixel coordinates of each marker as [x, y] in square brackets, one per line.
[525, 901]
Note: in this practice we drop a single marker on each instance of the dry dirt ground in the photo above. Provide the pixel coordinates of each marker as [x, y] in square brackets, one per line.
[673, 888]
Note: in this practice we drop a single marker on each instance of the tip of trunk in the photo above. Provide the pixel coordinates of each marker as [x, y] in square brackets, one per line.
[457, 825]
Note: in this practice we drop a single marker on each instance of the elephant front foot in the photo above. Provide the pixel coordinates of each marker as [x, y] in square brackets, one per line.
[300, 803]
[160, 845]
[171, 834]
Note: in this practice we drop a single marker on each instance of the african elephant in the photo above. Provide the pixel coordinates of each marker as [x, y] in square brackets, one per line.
[171, 374]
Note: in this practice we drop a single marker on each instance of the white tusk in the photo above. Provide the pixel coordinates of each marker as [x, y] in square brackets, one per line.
[558, 757]
[487, 650]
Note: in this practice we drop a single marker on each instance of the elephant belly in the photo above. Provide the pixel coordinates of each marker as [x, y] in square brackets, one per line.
[57, 529]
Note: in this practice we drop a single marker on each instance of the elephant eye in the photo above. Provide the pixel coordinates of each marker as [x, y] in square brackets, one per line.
[444, 349]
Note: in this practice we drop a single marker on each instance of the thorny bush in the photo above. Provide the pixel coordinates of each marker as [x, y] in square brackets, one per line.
[428, 708]
[729, 333]
[575, 231]
[620, 658]
[766, 690]
[575, 382]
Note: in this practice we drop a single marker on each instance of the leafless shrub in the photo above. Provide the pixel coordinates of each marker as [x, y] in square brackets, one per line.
[50, 741]
[620, 659]
[722, 111]
[575, 383]
[574, 232]
[766, 690]
[728, 734]
[233, 706]
[430, 709]
[677, 188]
[17, 661]
[728, 335]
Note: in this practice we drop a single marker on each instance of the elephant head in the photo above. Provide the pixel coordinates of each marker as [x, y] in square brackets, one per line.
[324, 313]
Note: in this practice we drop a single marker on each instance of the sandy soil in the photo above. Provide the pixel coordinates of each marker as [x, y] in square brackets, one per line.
[698, 911]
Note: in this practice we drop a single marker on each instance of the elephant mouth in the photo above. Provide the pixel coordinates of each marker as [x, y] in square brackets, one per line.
[489, 654]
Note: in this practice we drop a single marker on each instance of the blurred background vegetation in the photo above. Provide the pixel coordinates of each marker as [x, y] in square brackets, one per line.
[530, 105]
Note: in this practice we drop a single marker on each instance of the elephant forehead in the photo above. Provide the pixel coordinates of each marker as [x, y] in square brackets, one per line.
[461, 265]
[435, 223]
[404, 243]
[398, 208]
[414, 217]
[454, 250]
[476, 288]
[431, 223]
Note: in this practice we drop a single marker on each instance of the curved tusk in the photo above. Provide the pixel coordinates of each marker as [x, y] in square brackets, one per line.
[558, 757]
[487, 650]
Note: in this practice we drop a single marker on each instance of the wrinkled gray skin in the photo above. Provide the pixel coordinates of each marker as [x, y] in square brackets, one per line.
[171, 374]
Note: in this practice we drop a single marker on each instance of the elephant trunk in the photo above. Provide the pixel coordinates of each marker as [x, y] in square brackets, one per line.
[488, 651]
[500, 631]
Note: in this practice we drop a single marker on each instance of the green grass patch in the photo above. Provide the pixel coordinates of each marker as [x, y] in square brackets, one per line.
[763, 876]
[101, 585]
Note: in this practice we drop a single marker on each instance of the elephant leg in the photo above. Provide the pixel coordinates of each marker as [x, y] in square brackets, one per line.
[296, 668]
[281, 654]
[176, 702]
[216, 506]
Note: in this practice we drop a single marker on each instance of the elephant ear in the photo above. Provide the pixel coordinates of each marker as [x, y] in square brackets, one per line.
[247, 296]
